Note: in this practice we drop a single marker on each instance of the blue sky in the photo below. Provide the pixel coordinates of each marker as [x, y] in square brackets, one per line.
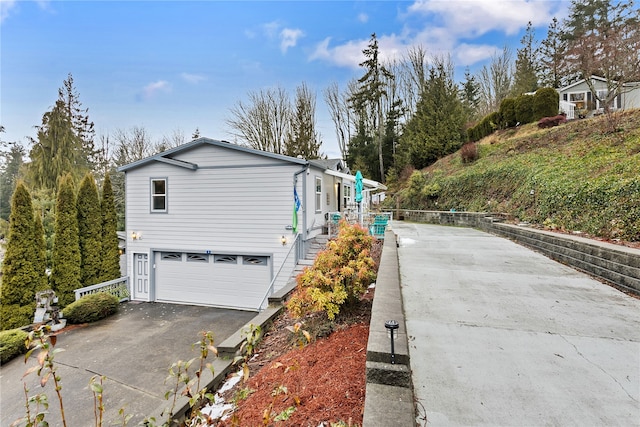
[180, 65]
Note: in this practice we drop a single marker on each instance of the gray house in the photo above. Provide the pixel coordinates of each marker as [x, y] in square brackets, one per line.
[578, 99]
[214, 223]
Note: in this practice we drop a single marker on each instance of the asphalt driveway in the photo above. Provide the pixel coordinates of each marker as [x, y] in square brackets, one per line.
[132, 349]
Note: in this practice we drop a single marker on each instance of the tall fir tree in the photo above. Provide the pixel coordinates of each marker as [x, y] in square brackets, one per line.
[89, 231]
[40, 253]
[12, 154]
[65, 259]
[550, 57]
[110, 268]
[56, 151]
[79, 116]
[436, 129]
[470, 95]
[22, 274]
[525, 77]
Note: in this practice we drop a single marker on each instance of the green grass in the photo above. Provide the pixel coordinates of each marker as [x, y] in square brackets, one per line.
[575, 177]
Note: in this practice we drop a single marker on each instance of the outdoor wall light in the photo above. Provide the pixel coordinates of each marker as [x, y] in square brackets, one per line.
[136, 235]
[283, 240]
[392, 332]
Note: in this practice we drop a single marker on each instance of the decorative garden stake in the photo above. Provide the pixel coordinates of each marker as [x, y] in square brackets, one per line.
[392, 327]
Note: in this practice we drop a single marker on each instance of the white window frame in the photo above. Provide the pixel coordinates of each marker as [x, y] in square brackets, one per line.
[318, 188]
[153, 195]
[346, 192]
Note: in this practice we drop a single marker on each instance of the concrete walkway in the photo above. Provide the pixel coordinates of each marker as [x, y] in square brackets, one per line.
[501, 335]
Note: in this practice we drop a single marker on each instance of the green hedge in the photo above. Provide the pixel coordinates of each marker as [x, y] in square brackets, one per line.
[12, 344]
[91, 308]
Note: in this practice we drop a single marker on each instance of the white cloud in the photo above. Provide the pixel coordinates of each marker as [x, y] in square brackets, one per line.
[469, 54]
[5, 7]
[193, 78]
[363, 18]
[449, 27]
[289, 38]
[466, 18]
[150, 90]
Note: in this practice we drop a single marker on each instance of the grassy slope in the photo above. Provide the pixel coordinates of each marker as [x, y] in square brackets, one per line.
[575, 177]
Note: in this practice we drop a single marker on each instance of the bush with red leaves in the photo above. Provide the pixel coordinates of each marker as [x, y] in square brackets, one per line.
[549, 122]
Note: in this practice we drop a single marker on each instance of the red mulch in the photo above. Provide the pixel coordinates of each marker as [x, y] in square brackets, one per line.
[324, 381]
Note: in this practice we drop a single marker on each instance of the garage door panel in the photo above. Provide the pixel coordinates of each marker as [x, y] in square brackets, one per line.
[218, 280]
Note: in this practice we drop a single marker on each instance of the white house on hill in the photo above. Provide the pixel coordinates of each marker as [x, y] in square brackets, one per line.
[214, 223]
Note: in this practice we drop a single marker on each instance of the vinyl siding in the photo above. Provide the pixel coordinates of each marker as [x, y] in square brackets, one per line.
[218, 208]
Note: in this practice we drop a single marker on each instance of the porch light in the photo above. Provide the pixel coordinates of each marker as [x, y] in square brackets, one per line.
[283, 240]
[392, 332]
[136, 235]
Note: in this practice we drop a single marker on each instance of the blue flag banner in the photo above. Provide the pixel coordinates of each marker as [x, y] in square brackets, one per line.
[296, 208]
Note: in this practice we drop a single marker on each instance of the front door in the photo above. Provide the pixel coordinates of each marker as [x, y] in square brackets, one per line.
[140, 277]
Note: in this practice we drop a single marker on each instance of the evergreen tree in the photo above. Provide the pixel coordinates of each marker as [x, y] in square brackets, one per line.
[57, 150]
[110, 268]
[89, 231]
[40, 252]
[550, 57]
[65, 271]
[470, 95]
[303, 139]
[525, 78]
[83, 127]
[21, 271]
[437, 127]
[367, 101]
[13, 154]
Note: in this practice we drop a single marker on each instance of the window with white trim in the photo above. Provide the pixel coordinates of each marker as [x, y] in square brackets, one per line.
[159, 195]
[318, 194]
[346, 191]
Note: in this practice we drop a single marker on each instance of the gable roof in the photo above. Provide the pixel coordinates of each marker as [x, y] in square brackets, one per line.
[167, 156]
[598, 78]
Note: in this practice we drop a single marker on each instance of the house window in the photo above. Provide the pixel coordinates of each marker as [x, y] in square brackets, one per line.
[254, 260]
[225, 259]
[318, 194]
[171, 256]
[347, 195]
[578, 99]
[159, 195]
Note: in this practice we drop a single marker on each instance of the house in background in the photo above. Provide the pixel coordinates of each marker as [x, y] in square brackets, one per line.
[215, 223]
[577, 99]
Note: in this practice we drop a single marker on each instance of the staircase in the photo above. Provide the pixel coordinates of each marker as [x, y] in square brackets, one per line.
[316, 245]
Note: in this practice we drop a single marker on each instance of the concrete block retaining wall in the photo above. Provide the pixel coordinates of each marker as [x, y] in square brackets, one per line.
[616, 264]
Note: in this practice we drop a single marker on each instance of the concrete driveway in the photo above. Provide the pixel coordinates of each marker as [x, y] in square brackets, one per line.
[133, 349]
[500, 335]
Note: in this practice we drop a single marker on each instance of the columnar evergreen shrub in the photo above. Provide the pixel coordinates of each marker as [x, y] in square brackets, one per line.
[12, 344]
[22, 269]
[65, 271]
[89, 231]
[508, 113]
[339, 276]
[545, 103]
[524, 109]
[91, 308]
[110, 268]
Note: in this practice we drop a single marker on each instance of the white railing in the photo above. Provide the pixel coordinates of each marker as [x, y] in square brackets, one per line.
[117, 287]
[288, 260]
[569, 109]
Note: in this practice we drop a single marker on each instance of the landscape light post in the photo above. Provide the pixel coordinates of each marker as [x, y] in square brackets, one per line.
[392, 327]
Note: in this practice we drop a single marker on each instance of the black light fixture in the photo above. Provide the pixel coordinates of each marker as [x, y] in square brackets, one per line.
[392, 331]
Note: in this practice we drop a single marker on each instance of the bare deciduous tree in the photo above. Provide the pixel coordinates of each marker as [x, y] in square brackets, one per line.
[495, 81]
[263, 122]
[340, 115]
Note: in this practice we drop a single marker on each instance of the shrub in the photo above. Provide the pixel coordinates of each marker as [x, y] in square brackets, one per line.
[549, 122]
[508, 113]
[545, 103]
[91, 308]
[524, 109]
[12, 344]
[469, 152]
[340, 274]
[16, 315]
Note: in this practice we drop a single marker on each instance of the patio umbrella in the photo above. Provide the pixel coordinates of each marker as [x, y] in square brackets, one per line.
[359, 195]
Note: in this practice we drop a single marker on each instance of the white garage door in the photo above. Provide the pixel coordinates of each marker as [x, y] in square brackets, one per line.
[238, 281]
